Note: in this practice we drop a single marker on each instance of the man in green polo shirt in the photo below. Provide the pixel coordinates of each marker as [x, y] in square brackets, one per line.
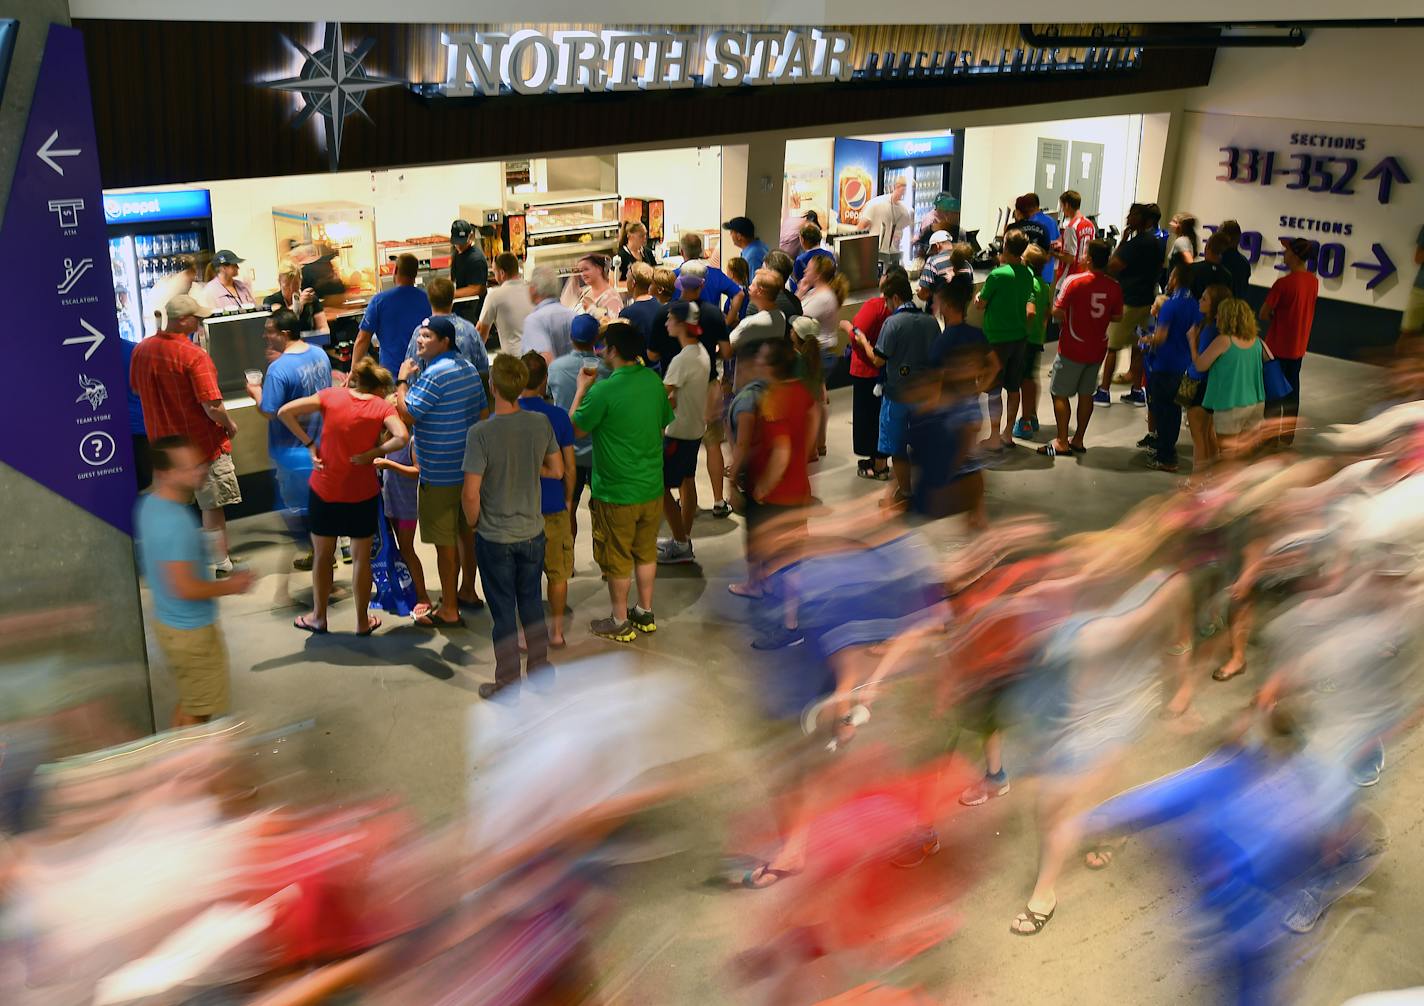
[625, 413]
[1007, 301]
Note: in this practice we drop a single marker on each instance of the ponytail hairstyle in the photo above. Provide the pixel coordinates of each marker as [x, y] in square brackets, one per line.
[824, 267]
[629, 227]
[370, 377]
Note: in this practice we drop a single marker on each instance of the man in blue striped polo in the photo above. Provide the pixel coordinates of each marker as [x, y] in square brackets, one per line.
[442, 403]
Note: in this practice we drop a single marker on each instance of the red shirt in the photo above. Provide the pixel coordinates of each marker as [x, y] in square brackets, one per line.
[1090, 301]
[349, 426]
[868, 319]
[173, 379]
[1292, 298]
[782, 417]
[1075, 236]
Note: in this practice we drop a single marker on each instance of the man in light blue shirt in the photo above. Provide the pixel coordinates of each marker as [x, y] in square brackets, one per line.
[180, 580]
[546, 330]
[468, 343]
[442, 403]
[563, 385]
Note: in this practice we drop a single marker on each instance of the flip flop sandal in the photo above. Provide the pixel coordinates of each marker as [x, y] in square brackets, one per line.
[1105, 854]
[431, 620]
[372, 624]
[1216, 675]
[1035, 919]
[1050, 451]
[301, 622]
[474, 605]
[1079, 450]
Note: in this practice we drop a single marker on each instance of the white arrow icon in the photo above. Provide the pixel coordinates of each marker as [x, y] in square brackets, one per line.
[93, 339]
[48, 154]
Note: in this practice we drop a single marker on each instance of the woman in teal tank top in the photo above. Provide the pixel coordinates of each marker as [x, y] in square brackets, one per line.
[1236, 391]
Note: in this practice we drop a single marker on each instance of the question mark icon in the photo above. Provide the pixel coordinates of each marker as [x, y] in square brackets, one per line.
[96, 444]
[96, 449]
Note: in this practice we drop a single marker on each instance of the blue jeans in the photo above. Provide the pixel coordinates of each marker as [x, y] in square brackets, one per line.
[513, 576]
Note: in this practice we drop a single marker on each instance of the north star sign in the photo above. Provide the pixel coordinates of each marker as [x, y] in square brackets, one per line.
[530, 62]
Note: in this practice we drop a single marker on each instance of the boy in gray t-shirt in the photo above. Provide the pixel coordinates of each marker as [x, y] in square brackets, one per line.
[505, 456]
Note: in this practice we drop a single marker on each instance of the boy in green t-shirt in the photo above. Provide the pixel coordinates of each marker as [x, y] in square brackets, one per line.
[1007, 301]
[1035, 258]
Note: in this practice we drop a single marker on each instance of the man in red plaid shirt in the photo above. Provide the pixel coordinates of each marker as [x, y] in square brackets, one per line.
[178, 385]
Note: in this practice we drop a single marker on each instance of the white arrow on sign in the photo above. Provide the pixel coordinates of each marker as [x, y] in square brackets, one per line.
[94, 339]
[47, 153]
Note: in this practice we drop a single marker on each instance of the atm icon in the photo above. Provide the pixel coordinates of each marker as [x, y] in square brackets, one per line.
[67, 210]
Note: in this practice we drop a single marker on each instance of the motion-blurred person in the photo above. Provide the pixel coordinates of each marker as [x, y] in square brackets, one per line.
[1233, 364]
[468, 343]
[782, 265]
[546, 328]
[686, 383]
[812, 246]
[1007, 301]
[810, 369]
[505, 457]
[943, 432]
[1170, 358]
[866, 382]
[751, 384]
[299, 371]
[469, 270]
[358, 425]
[290, 295]
[764, 319]
[903, 350]
[1088, 303]
[226, 291]
[1205, 447]
[1035, 258]
[556, 495]
[179, 576]
[1136, 265]
[177, 384]
[626, 414]
[505, 307]
[748, 245]
[392, 315]
[1289, 310]
[563, 386]
[442, 404]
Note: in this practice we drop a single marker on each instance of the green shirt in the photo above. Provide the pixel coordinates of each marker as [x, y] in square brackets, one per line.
[1006, 294]
[1043, 308]
[626, 412]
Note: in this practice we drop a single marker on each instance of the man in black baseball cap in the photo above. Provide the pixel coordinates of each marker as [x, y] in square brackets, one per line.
[225, 292]
[468, 270]
[749, 246]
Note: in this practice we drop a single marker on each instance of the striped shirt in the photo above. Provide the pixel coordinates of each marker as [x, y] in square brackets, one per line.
[467, 343]
[445, 401]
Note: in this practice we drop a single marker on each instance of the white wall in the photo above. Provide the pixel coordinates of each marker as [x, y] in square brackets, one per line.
[999, 165]
[689, 180]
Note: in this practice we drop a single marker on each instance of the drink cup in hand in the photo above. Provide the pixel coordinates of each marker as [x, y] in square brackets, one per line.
[254, 377]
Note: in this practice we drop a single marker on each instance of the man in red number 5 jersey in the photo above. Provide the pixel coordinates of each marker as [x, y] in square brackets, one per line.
[1075, 233]
[1087, 303]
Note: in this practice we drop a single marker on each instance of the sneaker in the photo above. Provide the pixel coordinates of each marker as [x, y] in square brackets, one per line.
[676, 552]
[223, 570]
[1148, 443]
[1023, 429]
[1034, 423]
[984, 790]
[619, 632]
[642, 620]
[1158, 465]
[1136, 397]
[303, 563]
[490, 689]
[721, 509]
[1102, 397]
[778, 638]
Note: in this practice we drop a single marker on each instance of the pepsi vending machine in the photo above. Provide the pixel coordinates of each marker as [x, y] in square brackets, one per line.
[929, 164]
[150, 234]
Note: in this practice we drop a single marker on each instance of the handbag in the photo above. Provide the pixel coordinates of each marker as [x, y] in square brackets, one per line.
[393, 588]
[1187, 391]
[1277, 387]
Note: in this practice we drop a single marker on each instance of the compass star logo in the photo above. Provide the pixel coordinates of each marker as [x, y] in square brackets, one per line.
[333, 84]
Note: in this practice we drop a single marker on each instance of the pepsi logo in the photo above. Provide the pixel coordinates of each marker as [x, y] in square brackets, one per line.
[855, 193]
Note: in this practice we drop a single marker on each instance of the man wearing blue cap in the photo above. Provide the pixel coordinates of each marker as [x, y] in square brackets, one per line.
[563, 385]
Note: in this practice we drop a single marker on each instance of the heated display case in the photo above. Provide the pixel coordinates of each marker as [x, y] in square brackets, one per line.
[562, 227]
[346, 231]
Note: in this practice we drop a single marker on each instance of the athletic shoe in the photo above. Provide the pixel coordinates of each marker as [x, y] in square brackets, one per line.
[721, 509]
[676, 553]
[303, 563]
[1023, 429]
[1158, 465]
[778, 638]
[619, 632]
[1148, 443]
[1136, 397]
[984, 790]
[1102, 397]
[642, 620]
[1034, 424]
[223, 570]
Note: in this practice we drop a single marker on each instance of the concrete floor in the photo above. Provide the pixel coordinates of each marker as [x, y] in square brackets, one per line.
[389, 715]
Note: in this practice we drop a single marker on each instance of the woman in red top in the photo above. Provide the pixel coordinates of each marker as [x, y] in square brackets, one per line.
[345, 489]
[864, 378]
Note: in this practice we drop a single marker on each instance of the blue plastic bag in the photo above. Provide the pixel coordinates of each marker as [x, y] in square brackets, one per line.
[393, 589]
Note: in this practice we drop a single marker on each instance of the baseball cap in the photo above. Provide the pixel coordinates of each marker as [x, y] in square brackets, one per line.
[742, 226]
[938, 237]
[1302, 248]
[687, 281]
[806, 327]
[946, 203]
[688, 313]
[461, 229]
[226, 257]
[441, 326]
[183, 306]
[584, 329]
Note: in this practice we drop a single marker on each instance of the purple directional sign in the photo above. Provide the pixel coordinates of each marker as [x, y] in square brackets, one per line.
[68, 387]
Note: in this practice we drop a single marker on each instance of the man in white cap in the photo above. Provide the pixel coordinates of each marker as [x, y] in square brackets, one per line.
[178, 385]
[937, 265]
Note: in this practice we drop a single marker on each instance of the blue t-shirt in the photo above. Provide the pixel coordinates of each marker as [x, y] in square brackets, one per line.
[390, 316]
[716, 286]
[754, 253]
[467, 343]
[798, 268]
[136, 426]
[445, 401]
[551, 491]
[1208, 333]
[963, 334]
[1051, 227]
[289, 377]
[563, 385]
[168, 532]
[642, 315]
[1178, 314]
